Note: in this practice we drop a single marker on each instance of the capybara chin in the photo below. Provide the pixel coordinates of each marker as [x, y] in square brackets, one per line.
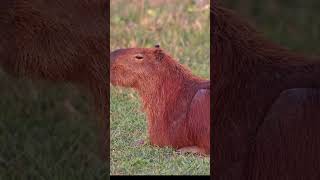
[177, 103]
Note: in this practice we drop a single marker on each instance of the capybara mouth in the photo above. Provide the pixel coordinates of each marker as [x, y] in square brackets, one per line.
[113, 80]
[113, 57]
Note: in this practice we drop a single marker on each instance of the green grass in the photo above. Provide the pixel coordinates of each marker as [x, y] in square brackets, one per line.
[47, 132]
[182, 29]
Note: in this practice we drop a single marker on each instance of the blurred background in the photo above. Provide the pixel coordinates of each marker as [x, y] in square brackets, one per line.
[182, 28]
[47, 131]
[292, 23]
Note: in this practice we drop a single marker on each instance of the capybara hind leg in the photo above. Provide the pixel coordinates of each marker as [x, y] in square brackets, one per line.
[191, 149]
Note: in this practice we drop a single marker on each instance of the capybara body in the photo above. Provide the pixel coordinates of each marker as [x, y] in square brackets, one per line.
[249, 75]
[288, 144]
[177, 103]
[59, 41]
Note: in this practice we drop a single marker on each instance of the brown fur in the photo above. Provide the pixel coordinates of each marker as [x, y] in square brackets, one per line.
[61, 41]
[176, 102]
[288, 143]
[249, 74]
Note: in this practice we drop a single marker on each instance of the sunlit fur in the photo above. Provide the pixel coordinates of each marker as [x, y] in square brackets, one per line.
[176, 102]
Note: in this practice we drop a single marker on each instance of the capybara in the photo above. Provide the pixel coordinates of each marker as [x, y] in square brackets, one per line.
[59, 41]
[287, 145]
[250, 74]
[177, 103]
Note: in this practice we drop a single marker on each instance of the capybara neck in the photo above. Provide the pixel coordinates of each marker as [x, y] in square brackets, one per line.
[169, 83]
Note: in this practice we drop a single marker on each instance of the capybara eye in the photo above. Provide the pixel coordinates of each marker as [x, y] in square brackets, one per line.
[139, 56]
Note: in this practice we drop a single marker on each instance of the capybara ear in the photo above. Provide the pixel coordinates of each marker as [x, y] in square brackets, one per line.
[159, 54]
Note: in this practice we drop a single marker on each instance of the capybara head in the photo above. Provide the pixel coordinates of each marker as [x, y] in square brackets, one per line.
[129, 67]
